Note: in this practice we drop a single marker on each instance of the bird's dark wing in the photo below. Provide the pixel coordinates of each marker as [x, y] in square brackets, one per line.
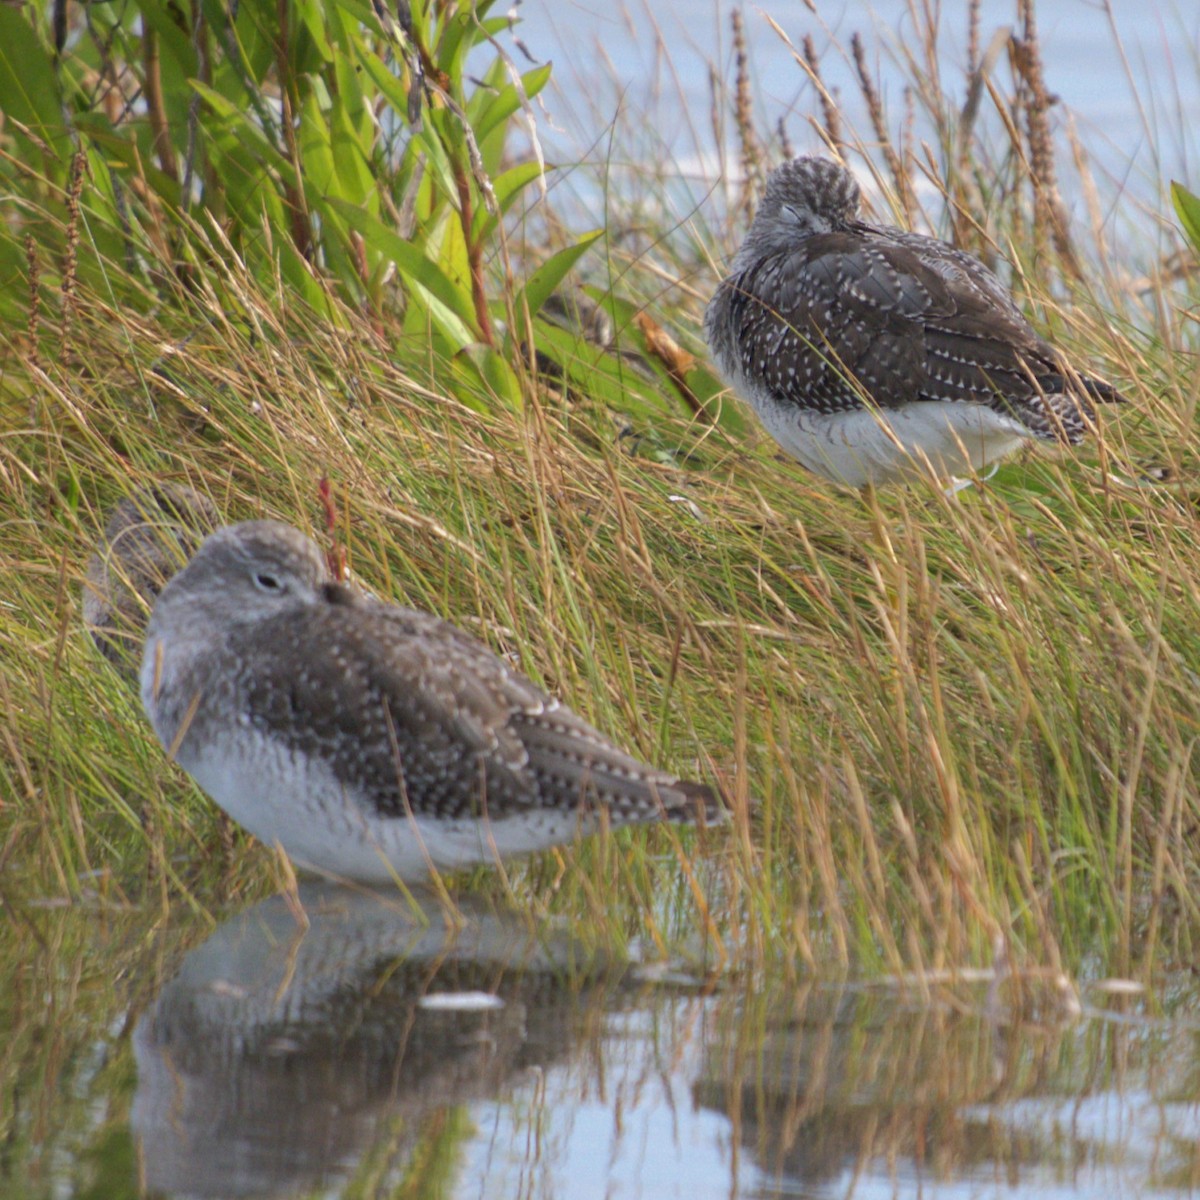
[845, 316]
[568, 757]
[958, 268]
[1014, 370]
[826, 325]
[419, 716]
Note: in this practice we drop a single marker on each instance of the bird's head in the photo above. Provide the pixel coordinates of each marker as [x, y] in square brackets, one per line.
[804, 197]
[248, 572]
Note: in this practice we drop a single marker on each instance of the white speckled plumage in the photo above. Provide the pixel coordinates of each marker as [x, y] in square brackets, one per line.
[870, 353]
[367, 739]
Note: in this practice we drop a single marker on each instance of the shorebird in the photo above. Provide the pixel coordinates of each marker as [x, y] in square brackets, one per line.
[147, 538]
[870, 353]
[368, 740]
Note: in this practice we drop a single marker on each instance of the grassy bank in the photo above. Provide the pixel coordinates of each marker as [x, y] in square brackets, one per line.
[948, 724]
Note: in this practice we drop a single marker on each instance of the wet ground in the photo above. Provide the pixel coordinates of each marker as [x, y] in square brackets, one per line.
[373, 1054]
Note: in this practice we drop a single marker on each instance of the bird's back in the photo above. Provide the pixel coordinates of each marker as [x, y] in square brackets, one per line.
[414, 716]
[848, 320]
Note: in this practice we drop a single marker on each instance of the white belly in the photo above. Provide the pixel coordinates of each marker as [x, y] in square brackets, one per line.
[861, 447]
[299, 804]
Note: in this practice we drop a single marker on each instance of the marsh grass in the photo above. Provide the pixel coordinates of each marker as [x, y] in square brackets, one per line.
[954, 729]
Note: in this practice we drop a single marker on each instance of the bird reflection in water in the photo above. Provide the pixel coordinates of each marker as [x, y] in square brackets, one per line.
[279, 1056]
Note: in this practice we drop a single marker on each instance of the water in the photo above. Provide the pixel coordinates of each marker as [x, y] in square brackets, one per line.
[369, 1054]
[1127, 76]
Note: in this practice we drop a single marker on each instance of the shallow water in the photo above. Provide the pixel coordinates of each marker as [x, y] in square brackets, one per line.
[1125, 77]
[371, 1054]
[1126, 72]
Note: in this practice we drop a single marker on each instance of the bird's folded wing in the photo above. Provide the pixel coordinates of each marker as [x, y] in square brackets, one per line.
[411, 713]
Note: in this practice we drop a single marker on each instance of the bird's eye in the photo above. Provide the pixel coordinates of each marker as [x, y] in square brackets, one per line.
[267, 582]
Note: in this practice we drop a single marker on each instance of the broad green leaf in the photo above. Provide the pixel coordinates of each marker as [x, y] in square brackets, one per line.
[491, 148]
[449, 306]
[492, 372]
[315, 145]
[226, 122]
[490, 82]
[349, 94]
[452, 251]
[221, 104]
[507, 187]
[1187, 207]
[718, 401]
[312, 15]
[394, 89]
[298, 275]
[458, 36]
[249, 165]
[255, 29]
[420, 13]
[602, 376]
[28, 88]
[507, 100]
[122, 154]
[439, 130]
[175, 46]
[707, 389]
[551, 273]
[351, 159]
[363, 12]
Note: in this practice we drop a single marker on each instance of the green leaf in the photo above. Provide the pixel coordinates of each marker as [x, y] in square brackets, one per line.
[458, 36]
[508, 99]
[175, 45]
[600, 375]
[448, 248]
[507, 187]
[228, 124]
[708, 389]
[551, 273]
[298, 275]
[315, 146]
[449, 306]
[350, 158]
[220, 104]
[121, 154]
[491, 370]
[364, 13]
[1187, 207]
[439, 130]
[312, 16]
[28, 88]
[349, 94]
[394, 89]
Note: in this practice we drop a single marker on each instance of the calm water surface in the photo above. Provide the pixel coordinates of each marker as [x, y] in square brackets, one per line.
[1127, 75]
[371, 1055]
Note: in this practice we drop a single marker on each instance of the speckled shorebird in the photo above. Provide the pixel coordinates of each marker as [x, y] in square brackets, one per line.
[368, 739]
[148, 536]
[870, 353]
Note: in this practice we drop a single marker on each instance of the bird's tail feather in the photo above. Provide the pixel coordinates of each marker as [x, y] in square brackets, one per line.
[703, 800]
[1094, 389]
